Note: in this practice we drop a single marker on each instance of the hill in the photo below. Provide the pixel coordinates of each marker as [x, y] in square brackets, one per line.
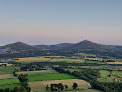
[19, 46]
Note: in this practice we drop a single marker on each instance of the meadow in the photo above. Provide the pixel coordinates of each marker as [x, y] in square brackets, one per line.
[8, 81]
[11, 86]
[59, 76]
[42, 59]
[114, 63]
[72, 70]
[114, 75]
[8, 69]
[6, 76]
[90, 61]
[118, 73]
[39, 86]
[40, 72]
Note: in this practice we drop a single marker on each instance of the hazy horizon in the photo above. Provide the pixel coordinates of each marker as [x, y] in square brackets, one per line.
[38, 22]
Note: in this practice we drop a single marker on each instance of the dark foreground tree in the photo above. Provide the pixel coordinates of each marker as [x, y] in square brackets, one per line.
[66, 87]
[75, 85]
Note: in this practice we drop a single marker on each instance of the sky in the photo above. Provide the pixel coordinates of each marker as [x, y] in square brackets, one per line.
[38, 22]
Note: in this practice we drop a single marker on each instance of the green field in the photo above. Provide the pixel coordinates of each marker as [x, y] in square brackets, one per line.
[72, 70]
[59, 76]
[8, 81]
[90, 61]
[41, 72]
[11, 86]
[7, 69]
[105, 78]
[104, 73]
[118, 73]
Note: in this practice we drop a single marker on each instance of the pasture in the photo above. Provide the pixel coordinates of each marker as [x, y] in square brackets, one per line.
[39, 86]
[90, 61]
[40, 72]
[6, 76]
[72, 70]
[118, 73]
[8, 81]
[42, 59]
[8, 69]
[104, 73]
[59, 76]
[106, 78]
[114, 62]
[6, 64]
[11, 86]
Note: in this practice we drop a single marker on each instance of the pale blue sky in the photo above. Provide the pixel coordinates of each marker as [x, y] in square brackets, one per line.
[57, 21]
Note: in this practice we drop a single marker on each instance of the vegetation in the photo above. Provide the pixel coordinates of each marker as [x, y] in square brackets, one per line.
[8, 69]
[59, 76]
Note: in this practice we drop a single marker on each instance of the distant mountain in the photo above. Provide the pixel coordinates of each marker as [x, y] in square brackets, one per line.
[20, 49]
[90, 45]
[58, 46]
[19, 46]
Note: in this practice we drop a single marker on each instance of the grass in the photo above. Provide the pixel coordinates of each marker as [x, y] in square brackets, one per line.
[114, 62]
[90, 61]
[6, 64]
[37, 72]
[59, 76]
[7, 69]
[11, 86]
[8, 81]
[72, 70]
[39, 86]
[32, 59]
[42, 59]
[104, 73]
[6, 76]
[118, 73]
[105, 78]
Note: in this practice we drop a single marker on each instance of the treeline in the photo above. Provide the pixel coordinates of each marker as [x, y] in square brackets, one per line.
[91, 75]
[60, 87]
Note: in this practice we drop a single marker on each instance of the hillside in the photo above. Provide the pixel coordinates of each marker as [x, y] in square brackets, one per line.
[18, 46]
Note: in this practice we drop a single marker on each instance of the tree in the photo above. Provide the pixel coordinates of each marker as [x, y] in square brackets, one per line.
[66, 87]
[75, 85]
[7, 90]
[47, 87]
[60, 86]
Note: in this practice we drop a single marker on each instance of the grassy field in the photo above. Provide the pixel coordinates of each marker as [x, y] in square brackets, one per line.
[90, 61]
[105, 78]
[59, 76]
[37, 72]
[39, 86]
[104, 73]
[118, 73]
[7, 69]
[72, 70]
[114, 62]
[6, 64]
[6, 76]
[119, 60]
[8, 81]
[11, 86]
[42, 59]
